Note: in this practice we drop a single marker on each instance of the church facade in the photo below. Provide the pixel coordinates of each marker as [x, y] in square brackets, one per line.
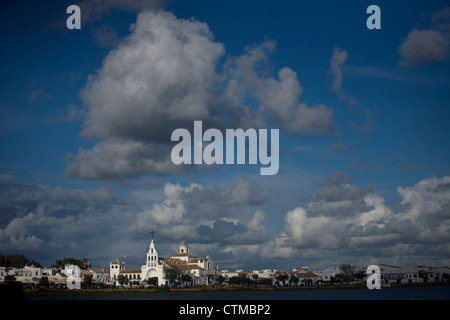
[156, 269]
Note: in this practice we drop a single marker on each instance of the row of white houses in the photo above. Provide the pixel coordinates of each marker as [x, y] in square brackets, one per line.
[389, 274]
[30, 275]
[202, 272]
[413, 274]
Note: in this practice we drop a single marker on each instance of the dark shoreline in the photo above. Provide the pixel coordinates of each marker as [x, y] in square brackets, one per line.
[55, 292]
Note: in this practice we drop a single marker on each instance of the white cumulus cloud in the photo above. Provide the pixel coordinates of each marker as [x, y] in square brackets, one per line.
[169, 72]
[430, 43]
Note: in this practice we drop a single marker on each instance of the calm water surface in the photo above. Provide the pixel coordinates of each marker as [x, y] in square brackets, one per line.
[399, 293]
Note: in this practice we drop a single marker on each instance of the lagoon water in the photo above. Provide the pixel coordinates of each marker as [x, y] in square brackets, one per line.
[441, 292]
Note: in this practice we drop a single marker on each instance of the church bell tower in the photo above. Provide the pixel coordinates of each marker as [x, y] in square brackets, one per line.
[152, 254]
[183, 248]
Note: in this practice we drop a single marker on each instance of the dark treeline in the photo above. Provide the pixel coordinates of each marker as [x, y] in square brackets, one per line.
[83, 264]
[17, 261]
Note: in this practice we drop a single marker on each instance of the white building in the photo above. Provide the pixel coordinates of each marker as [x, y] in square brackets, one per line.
[397, 274]
[100, 275]
[408, 274]
[327, 273]
[153, 267]
[442, 273]
[115, 269]
[28, 275]
[229, 274]
[413, 273]
[201, 270]
[265, 273]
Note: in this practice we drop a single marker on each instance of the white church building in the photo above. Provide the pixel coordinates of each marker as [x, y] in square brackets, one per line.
[201, 270]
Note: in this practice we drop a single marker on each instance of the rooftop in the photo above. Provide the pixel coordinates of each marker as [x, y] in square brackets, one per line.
[185, 255]
[131, 271]
[185, 266]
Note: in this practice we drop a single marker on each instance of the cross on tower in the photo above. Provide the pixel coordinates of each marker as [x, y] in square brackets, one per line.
[152, 232]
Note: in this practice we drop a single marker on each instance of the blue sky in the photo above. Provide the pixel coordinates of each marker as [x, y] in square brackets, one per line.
[86, 117]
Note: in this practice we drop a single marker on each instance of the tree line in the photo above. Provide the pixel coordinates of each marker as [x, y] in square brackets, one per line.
[20, 261]
[83, 264]
[17, 261]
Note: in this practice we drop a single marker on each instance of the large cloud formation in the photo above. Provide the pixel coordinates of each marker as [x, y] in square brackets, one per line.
[343, 222]
[358, 221]
[339, 223]
[169, 72]
[38, 217]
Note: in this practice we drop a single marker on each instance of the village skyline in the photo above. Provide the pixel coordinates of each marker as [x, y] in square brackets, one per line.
[186, 269]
